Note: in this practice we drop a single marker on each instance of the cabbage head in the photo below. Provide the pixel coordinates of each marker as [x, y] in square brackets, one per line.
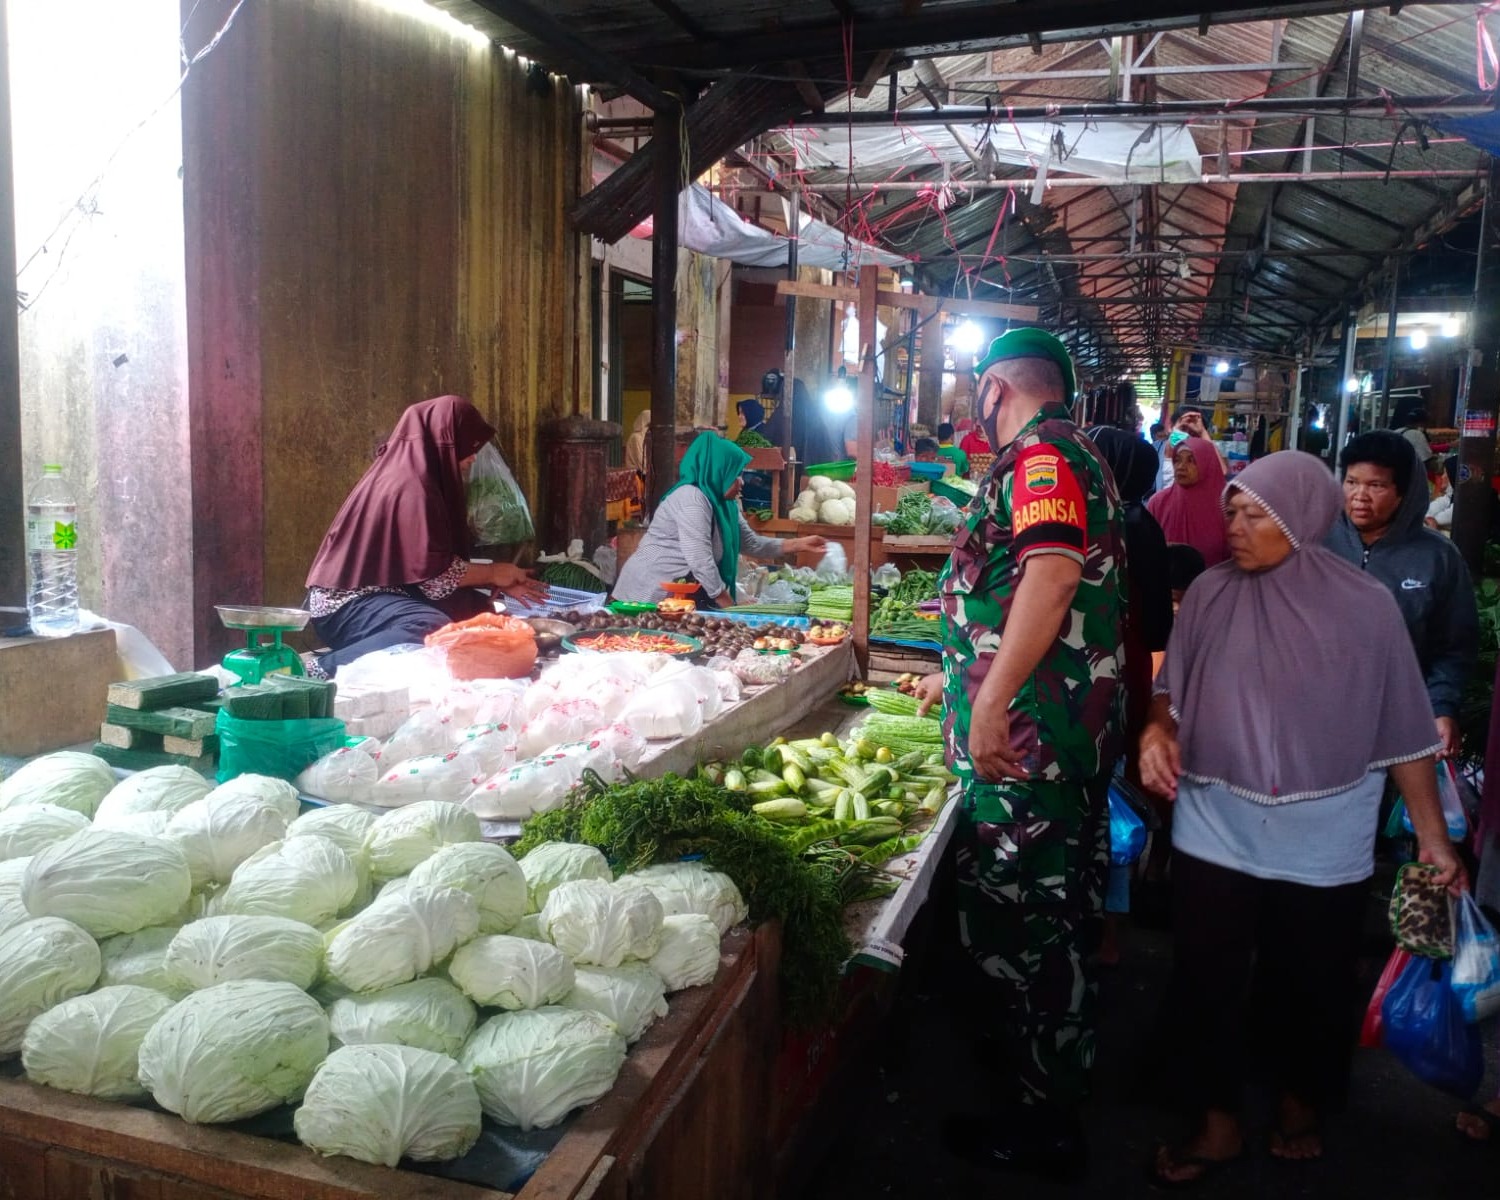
[345, 825]
[430, 1014]
[234, 1050]
[140, 958]
[90, 1044]
[529, 927]
[307, 879]
[381, 1104]
[487, 872]
[28, 828]
[222, 830]
[218, 949]
[630, 996]
[147, 824]
[535, 1066]
[511, 972]
[400, 936]
[601, 924]
[689, 953]
[158, 789]
[12, 907]
[404, 837]
[692, 887]
[42, 962]
[277, 793]
[67, 779]
[107, 881]
[553, 863]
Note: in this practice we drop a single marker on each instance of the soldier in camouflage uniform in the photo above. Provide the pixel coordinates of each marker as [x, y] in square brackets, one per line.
[1033, 712]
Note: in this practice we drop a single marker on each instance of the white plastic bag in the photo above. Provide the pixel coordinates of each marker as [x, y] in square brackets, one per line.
[667, 710]
[498, 513]
[344, 776]
[1476, 961]
[532, 785]
[486, 750]
[423, 777]
[624, 743]
[566, 721]
[424, 732]
[834, 567]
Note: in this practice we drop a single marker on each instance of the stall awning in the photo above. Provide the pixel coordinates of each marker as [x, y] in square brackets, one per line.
[709, 226]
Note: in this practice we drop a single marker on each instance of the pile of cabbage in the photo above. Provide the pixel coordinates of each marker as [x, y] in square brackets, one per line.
[829, 501]
[394, 976]
[506, 750]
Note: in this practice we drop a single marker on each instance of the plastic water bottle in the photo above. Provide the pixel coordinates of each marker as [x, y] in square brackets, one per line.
[52, 556]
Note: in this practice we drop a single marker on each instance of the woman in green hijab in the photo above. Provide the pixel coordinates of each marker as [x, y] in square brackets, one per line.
[699, 532]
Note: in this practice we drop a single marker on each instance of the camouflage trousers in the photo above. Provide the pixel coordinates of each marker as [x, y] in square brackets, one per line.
[1030, 915]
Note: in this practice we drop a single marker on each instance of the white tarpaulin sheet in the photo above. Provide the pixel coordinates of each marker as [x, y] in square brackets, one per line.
[1142, 151]
[709, 226]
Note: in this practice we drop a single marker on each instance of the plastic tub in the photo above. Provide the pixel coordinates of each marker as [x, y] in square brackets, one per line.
[832, 470]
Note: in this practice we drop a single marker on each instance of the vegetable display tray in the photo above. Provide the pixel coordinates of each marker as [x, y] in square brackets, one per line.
[631, 607]
[757, 620]
[690, 645]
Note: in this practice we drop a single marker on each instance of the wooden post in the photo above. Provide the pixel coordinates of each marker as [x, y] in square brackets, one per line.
[930, 383]
[864, 482]
[12, 485]
[666, 147]
[789, 367]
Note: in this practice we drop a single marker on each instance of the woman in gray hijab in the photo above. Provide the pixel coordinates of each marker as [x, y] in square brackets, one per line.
[1276, 765]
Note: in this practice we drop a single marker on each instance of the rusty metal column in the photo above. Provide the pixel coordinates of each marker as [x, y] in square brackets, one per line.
[786, 402]
[864, 495]
[12, 485]
[666, 155]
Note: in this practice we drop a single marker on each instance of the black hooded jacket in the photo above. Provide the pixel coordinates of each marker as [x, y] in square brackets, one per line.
[1431, 583]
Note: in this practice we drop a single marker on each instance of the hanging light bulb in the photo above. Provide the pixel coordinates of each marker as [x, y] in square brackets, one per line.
[966, 338]
[839, 398]
[1351, 384]
[1221, 367]
[1418, 339]
[1451, 327]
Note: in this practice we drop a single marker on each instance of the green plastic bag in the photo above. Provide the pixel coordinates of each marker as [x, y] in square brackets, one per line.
[282, 749]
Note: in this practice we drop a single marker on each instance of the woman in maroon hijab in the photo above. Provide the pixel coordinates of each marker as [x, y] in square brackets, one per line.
[394, 565]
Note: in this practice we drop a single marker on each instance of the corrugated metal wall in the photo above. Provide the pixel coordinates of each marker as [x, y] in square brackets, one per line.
[410, 239]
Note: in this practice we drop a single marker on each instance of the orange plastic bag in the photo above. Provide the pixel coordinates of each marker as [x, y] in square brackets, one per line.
[489, 646]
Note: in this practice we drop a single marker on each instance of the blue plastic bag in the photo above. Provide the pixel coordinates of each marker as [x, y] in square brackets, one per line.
[1127, 832]
[1425, 1028]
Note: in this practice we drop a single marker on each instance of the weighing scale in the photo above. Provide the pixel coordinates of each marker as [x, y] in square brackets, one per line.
[260, 658]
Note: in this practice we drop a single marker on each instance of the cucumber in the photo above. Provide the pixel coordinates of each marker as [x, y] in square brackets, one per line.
[780, 810]
[768, 788]
[861, 807]
[794, 778]
[734, 780]
[843, 807]
[751, 757]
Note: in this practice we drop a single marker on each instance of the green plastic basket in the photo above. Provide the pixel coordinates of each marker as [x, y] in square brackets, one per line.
[832, 470]
[942, 487]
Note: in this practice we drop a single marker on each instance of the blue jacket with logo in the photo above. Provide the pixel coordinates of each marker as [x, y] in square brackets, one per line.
[1431, 583]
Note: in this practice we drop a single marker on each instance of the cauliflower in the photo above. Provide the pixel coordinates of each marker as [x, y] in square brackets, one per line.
[836, 511]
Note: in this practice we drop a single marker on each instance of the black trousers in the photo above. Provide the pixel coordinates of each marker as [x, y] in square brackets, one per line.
[384, 619]
[1264, 966]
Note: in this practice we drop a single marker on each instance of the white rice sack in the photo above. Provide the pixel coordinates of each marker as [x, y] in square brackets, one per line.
[531, 786]
[159, 789]
[343, 776]
[502, 707]
[426, 777]
[566, 721]
[666, 710]
[540, 696]
[28, 828]
[424, 732]
[486, 750]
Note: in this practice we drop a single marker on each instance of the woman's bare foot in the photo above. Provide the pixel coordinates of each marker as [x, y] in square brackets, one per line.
[1480, 1125]
[1217, 1143]
[1298, 1136]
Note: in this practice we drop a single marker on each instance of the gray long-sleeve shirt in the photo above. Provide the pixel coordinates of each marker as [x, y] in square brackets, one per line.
[683, 540]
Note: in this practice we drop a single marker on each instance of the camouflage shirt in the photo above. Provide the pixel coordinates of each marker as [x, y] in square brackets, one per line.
[1047, 493]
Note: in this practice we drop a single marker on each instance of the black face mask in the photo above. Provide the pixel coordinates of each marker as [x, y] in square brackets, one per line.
[987, 408]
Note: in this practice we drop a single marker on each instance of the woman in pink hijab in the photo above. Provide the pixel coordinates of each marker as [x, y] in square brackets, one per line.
[1191, 511]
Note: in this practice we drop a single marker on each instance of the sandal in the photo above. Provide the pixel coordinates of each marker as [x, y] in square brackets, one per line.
[1491, 1121]
[1207, 1168]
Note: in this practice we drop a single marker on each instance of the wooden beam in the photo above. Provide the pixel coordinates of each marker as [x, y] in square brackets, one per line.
[663, 457]
[805, 86]
[926, 305]
[864, 496]
[683, 22]
[873, 73]
[597, 65]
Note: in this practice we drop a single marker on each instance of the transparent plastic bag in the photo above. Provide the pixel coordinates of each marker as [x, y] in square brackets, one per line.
[344, 776]
[1476, 960]
[532, 785]
[1127, 832]
[425, 732]
[486, 750]
[887, 575]
[668, 710]
[498, 513]
[835, 565]
[607, 559]
[566, 721]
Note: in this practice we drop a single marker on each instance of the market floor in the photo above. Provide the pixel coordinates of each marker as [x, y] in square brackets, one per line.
[883, 1137]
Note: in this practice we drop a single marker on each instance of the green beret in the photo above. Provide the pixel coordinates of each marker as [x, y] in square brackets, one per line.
[1031, 343]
